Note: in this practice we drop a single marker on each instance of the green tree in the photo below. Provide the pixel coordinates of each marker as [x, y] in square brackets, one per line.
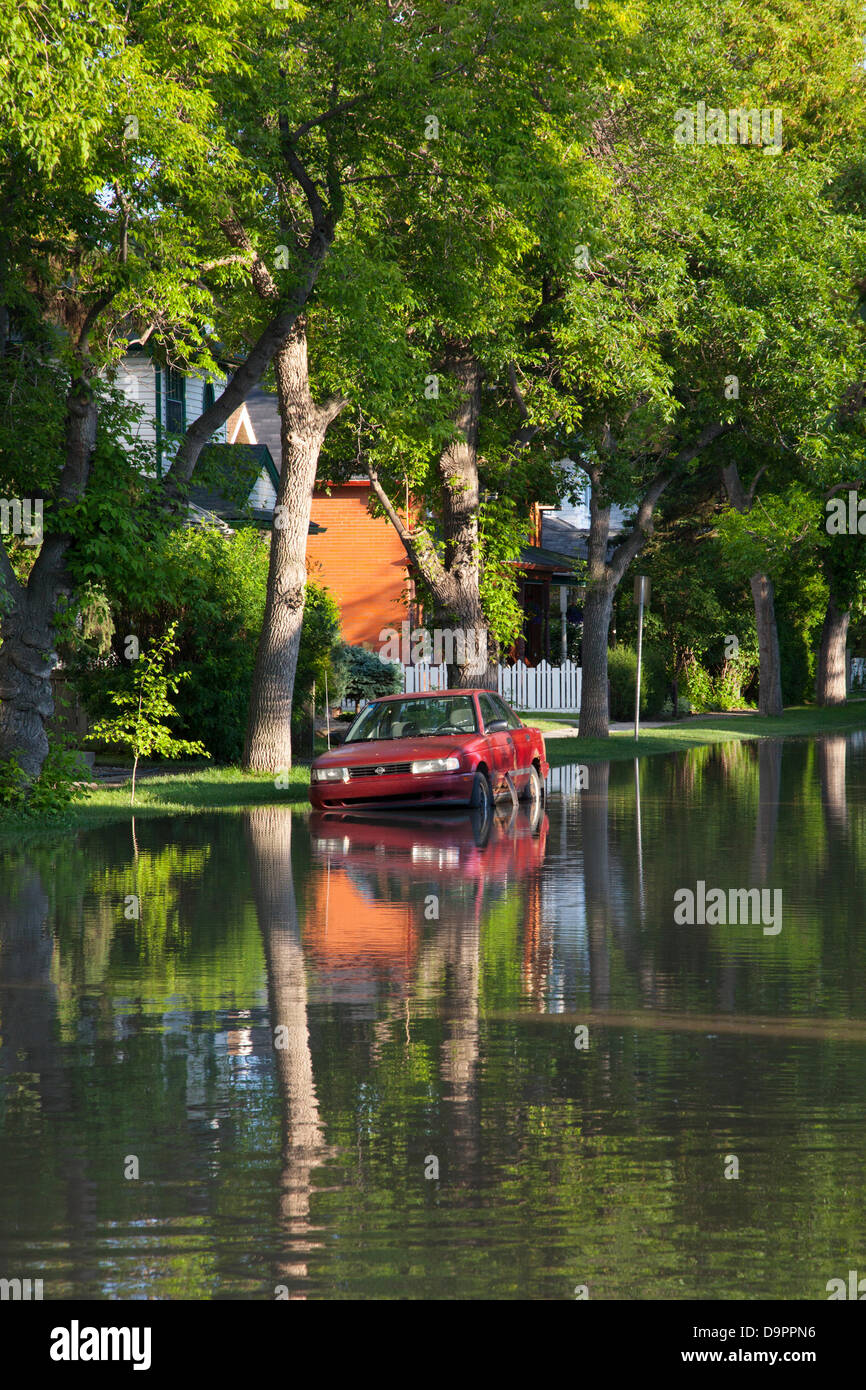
[140, 725]
[674, 347]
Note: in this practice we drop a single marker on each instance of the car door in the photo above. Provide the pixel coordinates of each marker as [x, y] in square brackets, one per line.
[500, 742]
[521, 740]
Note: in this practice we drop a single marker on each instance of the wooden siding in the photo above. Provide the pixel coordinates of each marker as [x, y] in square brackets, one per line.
[361, 560]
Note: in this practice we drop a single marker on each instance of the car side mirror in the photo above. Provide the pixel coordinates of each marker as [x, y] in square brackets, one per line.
[338, 736]
[496, 726]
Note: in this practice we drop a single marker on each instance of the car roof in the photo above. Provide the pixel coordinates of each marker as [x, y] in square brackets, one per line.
[434, 694]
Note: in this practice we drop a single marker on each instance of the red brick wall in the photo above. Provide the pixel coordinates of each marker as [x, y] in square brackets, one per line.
[361, 560]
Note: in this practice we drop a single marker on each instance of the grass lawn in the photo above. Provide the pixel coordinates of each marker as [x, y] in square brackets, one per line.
[229, 789]
[798, 721]
[176, 793]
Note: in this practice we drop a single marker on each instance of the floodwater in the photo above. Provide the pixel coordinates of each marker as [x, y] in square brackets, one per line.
[272, 1054]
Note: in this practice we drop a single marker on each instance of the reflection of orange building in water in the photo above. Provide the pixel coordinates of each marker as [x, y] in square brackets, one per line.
[368, 893]
[345, 928]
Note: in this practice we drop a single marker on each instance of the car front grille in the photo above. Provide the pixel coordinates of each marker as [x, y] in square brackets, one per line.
[371, 770]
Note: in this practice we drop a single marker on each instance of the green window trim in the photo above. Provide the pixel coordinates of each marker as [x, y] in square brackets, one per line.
[175, 401]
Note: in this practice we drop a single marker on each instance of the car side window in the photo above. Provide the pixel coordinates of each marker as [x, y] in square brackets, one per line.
[489, 712]
[505, 713]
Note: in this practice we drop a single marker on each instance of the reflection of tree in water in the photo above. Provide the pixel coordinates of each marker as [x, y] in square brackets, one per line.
[832, 756]
[767, 819]
[30, 1030]
[269, 836]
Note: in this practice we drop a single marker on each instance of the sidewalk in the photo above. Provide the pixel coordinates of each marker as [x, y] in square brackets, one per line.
[627, 726]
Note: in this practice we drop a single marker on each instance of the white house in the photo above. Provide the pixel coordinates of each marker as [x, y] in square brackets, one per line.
[171, 399]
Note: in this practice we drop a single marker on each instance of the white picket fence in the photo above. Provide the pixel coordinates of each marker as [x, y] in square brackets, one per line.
[542, 687]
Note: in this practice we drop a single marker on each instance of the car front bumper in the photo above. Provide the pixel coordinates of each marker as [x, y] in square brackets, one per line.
[400, 789]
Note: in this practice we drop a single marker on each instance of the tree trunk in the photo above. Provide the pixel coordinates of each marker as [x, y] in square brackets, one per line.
[597, 612]
[832, 682]
[770, 670]
[303, 426]
[26, 696]
[766, 823]
[455, 585]
[27, 655]
[458, 471]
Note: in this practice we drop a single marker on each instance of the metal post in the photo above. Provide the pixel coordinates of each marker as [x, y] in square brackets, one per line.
[327, 712]
[563, 605]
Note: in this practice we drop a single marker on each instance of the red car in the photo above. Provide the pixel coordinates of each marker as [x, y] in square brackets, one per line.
[448, 748]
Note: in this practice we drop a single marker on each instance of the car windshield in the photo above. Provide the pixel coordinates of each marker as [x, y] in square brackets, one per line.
[418, 718]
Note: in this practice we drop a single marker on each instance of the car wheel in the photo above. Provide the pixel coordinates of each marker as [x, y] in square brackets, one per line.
[533, 790]
[482, 794]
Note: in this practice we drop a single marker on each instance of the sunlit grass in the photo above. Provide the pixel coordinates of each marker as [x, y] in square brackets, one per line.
[208, 788]
[799, 721]
[203, 788]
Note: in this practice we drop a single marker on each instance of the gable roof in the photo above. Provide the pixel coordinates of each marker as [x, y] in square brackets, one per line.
[264, 412]
[227, 474]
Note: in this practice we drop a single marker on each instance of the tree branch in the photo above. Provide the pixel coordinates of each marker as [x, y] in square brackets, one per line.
[332, 407]
[418, 547]
[263, 282]
[631, 546]
[251, 371]
[750, 495]
[223, 260]
[308, 185]
[329, 115]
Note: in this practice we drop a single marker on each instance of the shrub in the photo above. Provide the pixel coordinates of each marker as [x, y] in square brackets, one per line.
[56, 787]
[320, 644]
[722, 691]
[622, 674]
[362, 675]
[683, 706]
[213, 586]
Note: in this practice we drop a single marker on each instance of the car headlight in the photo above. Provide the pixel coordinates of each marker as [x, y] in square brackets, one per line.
[330, 774]
[436, 765]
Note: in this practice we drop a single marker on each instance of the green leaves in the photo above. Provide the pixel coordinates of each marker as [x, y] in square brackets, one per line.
[140, 723]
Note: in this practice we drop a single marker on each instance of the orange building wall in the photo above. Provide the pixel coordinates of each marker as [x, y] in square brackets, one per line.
[361, 560]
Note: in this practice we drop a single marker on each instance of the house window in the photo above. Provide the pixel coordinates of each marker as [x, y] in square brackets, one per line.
[175, 401]
[208, 395]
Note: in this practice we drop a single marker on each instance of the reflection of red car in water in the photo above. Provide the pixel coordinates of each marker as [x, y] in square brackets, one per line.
[372, 873]
[451, 846]
[455, 747]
